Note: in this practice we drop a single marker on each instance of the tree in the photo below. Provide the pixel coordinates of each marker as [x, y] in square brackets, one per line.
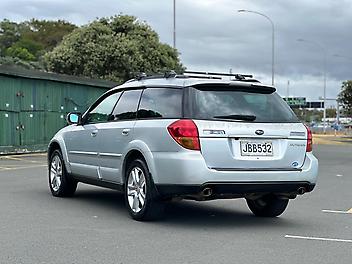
[10, 32]
[10, 61]
[47, 34]
[30, 40]
[345, 97]
[307, 115]
[330, 112]
[20, 52]
[112, 48]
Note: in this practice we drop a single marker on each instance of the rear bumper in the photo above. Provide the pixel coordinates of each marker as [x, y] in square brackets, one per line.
[190, 169]
[233, 189]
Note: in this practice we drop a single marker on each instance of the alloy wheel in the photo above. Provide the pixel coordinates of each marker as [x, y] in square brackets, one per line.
[136, 189]
[55, 173]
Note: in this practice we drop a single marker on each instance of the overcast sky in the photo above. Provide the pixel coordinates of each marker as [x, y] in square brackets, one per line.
[213, 36]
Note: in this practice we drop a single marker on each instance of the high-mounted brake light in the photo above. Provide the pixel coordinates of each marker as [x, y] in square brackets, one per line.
[185, 133]
[309, 147]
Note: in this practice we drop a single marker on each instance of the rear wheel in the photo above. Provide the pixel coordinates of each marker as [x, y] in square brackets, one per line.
[267, 206]
[142, 200]
[61, 183]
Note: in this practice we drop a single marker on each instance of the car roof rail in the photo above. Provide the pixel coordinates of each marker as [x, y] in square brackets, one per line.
[218, 75]
[143, 76]
[194, 74]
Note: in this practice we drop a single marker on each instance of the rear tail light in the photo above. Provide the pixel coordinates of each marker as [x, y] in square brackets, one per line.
[309, 147]
[185, 133]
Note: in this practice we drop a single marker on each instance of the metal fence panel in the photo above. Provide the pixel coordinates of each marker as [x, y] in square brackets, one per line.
[33, 110]
[9, 132]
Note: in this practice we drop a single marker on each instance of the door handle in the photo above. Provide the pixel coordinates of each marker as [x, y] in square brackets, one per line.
[126, 131]
[94, 133]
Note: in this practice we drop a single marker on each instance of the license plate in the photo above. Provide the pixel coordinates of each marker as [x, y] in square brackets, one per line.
[249, 148]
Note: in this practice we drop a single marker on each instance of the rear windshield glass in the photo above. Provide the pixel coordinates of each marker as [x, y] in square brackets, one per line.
[241, 105]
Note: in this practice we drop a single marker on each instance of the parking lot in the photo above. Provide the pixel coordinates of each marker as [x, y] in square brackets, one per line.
[94, 227]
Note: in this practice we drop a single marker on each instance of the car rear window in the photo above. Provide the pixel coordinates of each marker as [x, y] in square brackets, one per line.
[246, 105]
[160, 103]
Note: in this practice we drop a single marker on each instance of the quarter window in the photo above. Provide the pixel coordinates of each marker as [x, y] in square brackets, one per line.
[102, 112]
[126, 108]
[160, 103]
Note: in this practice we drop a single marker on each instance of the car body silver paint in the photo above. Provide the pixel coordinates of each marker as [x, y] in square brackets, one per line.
[169, 163]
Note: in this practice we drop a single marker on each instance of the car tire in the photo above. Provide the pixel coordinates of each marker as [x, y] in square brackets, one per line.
[61, 184]
[267, 206]
[142, 200]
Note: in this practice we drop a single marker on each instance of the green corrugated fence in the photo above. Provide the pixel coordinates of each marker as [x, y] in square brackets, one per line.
[33, 105]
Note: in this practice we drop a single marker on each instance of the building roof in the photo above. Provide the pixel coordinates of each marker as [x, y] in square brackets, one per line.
[41, 75]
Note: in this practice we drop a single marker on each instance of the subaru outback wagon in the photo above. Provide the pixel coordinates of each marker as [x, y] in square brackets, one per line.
[193, 136]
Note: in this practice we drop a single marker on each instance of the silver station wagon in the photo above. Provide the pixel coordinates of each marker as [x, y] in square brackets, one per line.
[199, 136]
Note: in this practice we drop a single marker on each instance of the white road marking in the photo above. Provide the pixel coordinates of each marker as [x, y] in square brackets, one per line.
[339, 175]
[19, 168]
[27, 155]
[336, 211]
[19, 159]
[12, 158]
[320, 238]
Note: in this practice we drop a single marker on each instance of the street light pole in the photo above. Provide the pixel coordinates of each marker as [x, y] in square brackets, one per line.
[272, 41]
[324, 73]
[174, 26]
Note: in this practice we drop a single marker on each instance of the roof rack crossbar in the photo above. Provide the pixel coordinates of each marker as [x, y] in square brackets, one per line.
[219, 74]
[200, 77]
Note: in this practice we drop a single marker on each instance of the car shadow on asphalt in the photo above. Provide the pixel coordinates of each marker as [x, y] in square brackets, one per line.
[210, 214]
[188, 213]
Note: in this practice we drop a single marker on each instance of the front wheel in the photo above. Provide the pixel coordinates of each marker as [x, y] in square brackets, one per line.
[61, 184]
[142, 200]
[267, 206]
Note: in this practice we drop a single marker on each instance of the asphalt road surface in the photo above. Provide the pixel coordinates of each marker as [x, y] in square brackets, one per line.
[94, 227]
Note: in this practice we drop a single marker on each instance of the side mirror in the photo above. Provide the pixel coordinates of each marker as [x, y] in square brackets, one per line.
[73, 118]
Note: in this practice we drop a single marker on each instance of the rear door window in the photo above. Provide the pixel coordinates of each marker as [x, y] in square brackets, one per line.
[126, 107]
[246, 105]
[160, 103]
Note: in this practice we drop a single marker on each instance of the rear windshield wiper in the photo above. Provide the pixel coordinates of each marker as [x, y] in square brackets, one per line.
[238, 117]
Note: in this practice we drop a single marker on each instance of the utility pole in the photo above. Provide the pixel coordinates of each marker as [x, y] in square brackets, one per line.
[337, 111]
[288, 88]
[174, 24]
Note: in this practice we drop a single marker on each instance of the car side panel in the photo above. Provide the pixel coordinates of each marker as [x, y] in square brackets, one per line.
[114, 138]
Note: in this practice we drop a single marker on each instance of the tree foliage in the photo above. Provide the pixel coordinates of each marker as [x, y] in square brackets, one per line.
[10, 61]
[10, 33]
[345, 97]
[112, 48]
[306, 115]
[30, 40]
[20, 52]
[330, 112]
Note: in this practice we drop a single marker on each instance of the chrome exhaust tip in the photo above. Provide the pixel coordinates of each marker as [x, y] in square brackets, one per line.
[207, 192]
[301, 190]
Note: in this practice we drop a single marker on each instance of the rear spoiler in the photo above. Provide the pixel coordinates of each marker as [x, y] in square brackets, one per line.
[236, 86]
